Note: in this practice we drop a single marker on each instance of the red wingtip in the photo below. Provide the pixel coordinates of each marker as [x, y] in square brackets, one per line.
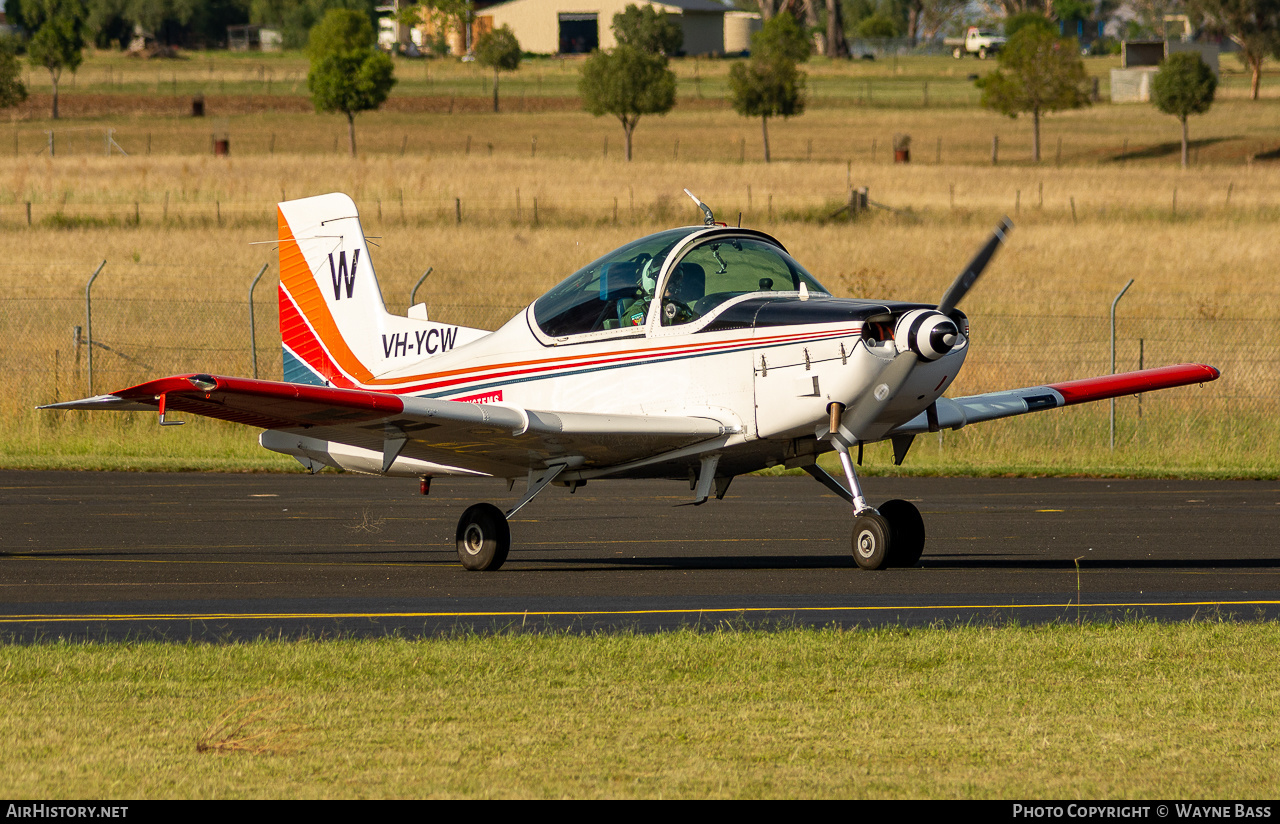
[1131, 383]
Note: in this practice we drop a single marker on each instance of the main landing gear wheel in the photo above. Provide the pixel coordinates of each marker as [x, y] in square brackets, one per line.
[871, 536]
[484, 538]
[906, 529]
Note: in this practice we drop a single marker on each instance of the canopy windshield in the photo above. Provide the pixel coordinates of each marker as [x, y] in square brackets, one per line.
[721, 268]
[609, 293]
[618, 291]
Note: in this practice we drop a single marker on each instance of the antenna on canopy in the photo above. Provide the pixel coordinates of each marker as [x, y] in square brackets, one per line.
[709, 219]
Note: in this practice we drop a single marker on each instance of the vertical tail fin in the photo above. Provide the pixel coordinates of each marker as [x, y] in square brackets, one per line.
[334, 325]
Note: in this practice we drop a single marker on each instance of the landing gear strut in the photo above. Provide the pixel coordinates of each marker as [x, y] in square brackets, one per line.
[484, 537]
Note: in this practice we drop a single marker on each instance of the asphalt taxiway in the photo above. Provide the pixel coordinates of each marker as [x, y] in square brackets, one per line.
[218, 557]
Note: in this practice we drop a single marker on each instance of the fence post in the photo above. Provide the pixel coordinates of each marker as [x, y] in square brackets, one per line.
[88, 320]
[1113, 358]
[253, 328]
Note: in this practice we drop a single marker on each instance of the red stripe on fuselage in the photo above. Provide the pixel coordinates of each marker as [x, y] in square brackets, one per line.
[554, 365]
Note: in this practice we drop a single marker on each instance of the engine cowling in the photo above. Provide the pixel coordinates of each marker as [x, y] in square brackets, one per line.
[927, 332]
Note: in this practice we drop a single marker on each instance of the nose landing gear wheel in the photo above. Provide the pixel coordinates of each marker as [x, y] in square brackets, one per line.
[871, 536]
[906, 529]
[484, 538]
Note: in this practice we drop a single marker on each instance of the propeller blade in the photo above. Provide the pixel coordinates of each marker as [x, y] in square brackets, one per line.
[863, 412]
[970, 275]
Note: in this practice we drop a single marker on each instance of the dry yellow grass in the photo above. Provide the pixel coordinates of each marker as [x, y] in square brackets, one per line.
[173, 294]
[839, 130]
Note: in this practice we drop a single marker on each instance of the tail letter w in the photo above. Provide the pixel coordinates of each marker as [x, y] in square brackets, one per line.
[341, 276]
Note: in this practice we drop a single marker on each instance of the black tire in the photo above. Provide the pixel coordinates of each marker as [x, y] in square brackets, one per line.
[484, 538]
[906, 529]
[871, 541]
[958, 53]
[982, 53]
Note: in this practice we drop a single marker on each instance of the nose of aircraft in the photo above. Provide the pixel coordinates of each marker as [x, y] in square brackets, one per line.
[926, 332]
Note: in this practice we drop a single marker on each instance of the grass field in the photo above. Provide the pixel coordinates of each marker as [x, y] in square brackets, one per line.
[1105, 711]
[899, 79]
[173, 295]
[540, 192]
[1128, 710]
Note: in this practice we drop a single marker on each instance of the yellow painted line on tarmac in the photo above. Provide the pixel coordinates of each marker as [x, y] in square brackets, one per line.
[232, 563]
[281, 616]
[605, 541]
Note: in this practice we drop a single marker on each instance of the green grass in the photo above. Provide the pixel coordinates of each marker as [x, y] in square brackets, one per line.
[176, 228]
[894, 81]
[1132, 710]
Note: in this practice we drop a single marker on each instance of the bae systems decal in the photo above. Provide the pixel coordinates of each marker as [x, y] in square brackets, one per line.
[487, 397]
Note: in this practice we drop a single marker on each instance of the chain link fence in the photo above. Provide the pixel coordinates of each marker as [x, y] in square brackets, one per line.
[139, 334]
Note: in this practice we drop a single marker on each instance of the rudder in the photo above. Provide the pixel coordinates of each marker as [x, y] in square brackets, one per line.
[334, 324]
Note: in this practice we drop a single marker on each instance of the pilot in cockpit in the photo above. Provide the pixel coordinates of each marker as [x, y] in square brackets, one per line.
[686, 286]
[633, 310]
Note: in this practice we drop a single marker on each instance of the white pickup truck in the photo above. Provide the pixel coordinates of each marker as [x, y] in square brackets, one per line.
[975, 41]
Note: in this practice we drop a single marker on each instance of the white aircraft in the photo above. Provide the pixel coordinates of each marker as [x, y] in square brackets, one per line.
[698, 353]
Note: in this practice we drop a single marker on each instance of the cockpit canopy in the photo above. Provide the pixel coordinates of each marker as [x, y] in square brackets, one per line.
[694, 270]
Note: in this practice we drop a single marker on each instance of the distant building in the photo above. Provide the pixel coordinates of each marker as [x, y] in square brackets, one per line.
[738, 28]
[1140, 60]
[556, 27]
[430, 37]
[254, 38]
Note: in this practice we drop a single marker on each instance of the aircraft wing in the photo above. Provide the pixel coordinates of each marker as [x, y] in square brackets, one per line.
[953, 413]
[490, 439]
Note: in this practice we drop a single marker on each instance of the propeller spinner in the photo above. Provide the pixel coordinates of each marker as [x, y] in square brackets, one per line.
[921, 334]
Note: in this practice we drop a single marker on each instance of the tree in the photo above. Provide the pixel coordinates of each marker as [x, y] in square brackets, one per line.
[1254, 25]
[878, 26]
[294, 19]
[648, 30]
[58, 43]
[781, 36]
[499, 50]
[925, 18]
[767, 87]
[1027, 19]
[1039, 73]
[12, 92]
[769, 84]
[627, 83]
[347, 74]
[1184, 86]
[340, 30]
[442, 18]
[834, 43]
[806, 10]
